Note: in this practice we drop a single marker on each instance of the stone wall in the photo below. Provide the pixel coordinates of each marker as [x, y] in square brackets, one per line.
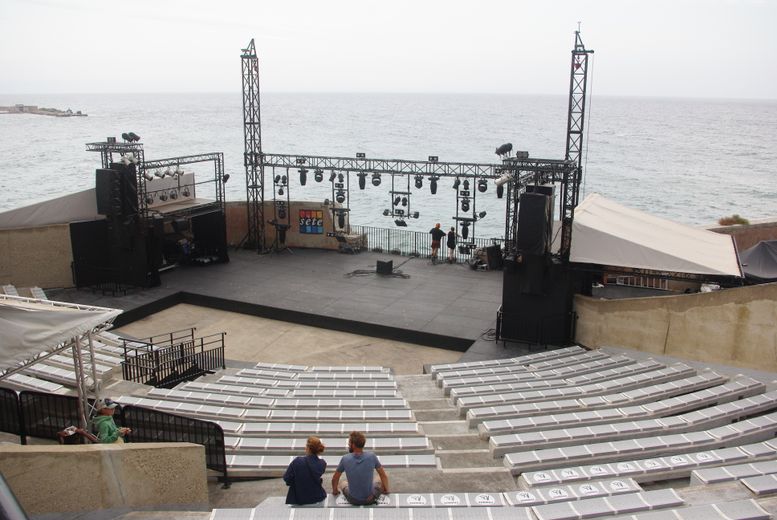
[36, 257]
[60, 479]
[748, 236]
[734, 326]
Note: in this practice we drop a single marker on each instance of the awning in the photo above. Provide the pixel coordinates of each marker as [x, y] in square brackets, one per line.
[31, 328]
[606, 233]
[760, 261]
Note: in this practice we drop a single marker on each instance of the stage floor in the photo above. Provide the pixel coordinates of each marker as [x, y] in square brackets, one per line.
[451, 301]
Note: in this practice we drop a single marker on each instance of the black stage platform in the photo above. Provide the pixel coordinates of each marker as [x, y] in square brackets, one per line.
[442, 305]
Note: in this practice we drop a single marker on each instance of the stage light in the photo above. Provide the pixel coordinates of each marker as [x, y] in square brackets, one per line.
[326, 202]
[148, 176]
[125, 160]
[386, 213]
[362, 180]
[340, 178]
[332, 177]
[500, 191]
[277, 179]
[341, 219]
[415, 214]
[399, 212]
[456, 184]
[504, 179]
[397, 200]
[303, 176]
[149, 199]
[466, 184]
[465, 230]
[482, 185]
[174, 195]
[376, 179]
[178, 172]
[482, 214]
[225, 178]
[159, 174]
[433, 184]
[465, 205]
[163, 197]
[282, 212]
[504, 149]
[419, 181]
[361, 155]
[280, 191]
[284, 180]
[186, 191]
[133, 136]
[404, 201]
[168, 172]
[318, 175]
[401, 223]
[340, 196]
[125, 136]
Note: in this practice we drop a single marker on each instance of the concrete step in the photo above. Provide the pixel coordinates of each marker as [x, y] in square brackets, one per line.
[431, 404]
[468, 459]
[435, 415]
[445, 428]
[467, 441]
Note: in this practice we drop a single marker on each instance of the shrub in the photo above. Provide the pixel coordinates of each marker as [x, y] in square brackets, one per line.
[733, 220]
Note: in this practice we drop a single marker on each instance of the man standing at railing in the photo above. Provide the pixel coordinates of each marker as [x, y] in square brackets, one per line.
[451, 245]
[437, 236]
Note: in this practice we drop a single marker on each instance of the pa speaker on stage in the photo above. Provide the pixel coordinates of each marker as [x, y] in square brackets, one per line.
[385, 267]
[534, 224]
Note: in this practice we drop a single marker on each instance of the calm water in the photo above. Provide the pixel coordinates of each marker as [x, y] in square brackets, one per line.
[691, 161]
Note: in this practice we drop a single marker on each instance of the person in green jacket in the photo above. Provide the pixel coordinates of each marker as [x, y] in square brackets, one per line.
[107, 431]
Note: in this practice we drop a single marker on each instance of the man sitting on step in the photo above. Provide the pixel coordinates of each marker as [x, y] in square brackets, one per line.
[358, 466]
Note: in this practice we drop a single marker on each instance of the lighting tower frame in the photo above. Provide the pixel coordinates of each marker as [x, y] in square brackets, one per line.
[252, 155]
[570, 186]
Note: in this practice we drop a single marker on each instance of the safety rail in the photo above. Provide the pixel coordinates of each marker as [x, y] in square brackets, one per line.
[10, 420]
[167, 366]
[417, 243]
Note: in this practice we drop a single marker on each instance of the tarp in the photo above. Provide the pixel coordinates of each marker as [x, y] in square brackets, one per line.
[606, 233]
[760, 261]
[30, 328]
[62, 210]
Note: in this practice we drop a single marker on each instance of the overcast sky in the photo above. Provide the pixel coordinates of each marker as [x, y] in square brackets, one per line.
[687, 48]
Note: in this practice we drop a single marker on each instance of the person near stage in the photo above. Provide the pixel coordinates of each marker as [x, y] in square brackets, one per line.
[451, 245]
[303, 476]
[437, 235]
[358, 466]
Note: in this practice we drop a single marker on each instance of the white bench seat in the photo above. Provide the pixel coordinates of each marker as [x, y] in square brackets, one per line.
[520, 360]
[287, 445]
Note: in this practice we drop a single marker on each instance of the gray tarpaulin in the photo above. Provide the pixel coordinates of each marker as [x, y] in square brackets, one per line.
[29, 328]
[606, 233]
[62, 210]
[760, 261]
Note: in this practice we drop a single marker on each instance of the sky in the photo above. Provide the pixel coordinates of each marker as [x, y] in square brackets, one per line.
[678, 48]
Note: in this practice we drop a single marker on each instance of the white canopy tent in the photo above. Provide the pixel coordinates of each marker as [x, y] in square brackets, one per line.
[608, 234]
[32, 330]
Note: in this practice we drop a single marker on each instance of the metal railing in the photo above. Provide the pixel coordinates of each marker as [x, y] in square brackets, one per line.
[154, 426]
[10, 420]
[44, 415]
[404, 242]
[167, 366]
[645, 282]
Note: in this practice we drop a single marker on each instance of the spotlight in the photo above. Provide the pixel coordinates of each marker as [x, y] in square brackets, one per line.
[174, 195]
[504, 149]
[504, 179]
[376, 179]
[125, 136]
[399, 212]
[148, 176]
[303, 176]
[482, 185]
[404, 201]
[282, 212]
[186, 191]
[225, 178]
[149, 199]
[465, 205]
[341, 220]
[386, 213]
[433, 184]
[419, 181]
[456, 184]
[362, 180]
[332, 177]
[465, 230]
[277, 179]
[340, 178]
[284, 180]
[466, 184]
[163, 197]
[401, 223]
[133, 136]
[326, 202]
[318, 175]
[159, 174]
[415, 214]
[500, 191]
[482, 214]
[178, 171]
[125, 160]
[280, 191]
[397, 200]
[340, 197]
[168, 172]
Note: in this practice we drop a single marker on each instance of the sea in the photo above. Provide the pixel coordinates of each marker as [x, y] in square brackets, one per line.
[692, 161]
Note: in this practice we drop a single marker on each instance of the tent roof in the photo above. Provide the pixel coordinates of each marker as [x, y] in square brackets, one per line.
[606, 233]
[30, 328]
[61, 210]
[760, 261]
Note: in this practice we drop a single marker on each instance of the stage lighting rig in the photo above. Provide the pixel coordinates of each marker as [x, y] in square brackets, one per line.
[482, 185]
[376, 179]
[340, 196]
[318, 175]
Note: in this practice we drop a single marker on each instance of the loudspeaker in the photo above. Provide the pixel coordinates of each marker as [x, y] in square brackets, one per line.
[534, 224]
[209, 231]
[107, 190]
[129, 187]
[91, 254]
[385, 267]
[494, 256]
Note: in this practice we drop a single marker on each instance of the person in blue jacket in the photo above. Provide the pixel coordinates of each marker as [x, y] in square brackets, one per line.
[303, 476]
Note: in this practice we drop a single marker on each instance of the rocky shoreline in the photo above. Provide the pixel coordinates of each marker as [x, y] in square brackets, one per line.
[41, 111]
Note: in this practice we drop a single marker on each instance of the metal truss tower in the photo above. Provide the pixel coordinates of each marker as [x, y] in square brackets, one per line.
[575, 125]
[252, 156]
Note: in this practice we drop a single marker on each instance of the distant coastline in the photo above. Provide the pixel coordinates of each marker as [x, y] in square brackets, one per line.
[40, 111]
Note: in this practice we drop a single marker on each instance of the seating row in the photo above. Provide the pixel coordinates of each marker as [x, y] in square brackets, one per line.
[506, 413]
[520, 360]
[285, 445]
[689, 423]
[320, 429]
[733, 472]
[275, 465]
[315, 376]
[304, 368]
[741, 387]
[314, 385]
[197, 386]
[746, 431]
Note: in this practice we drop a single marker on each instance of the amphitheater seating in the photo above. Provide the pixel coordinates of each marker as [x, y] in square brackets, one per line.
[522, 360]
[733, 472]
[761, 485]
[313, 385]
[21, 382]
[286, 445]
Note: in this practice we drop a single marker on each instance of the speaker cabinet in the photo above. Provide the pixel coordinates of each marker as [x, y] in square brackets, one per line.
[534, 224]
[385, 267]
[107, 190]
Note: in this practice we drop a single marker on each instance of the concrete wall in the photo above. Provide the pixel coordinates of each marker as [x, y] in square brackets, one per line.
[734, 326]
[748, 236]
[36, 257]
[237, 225]
[59, 479]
